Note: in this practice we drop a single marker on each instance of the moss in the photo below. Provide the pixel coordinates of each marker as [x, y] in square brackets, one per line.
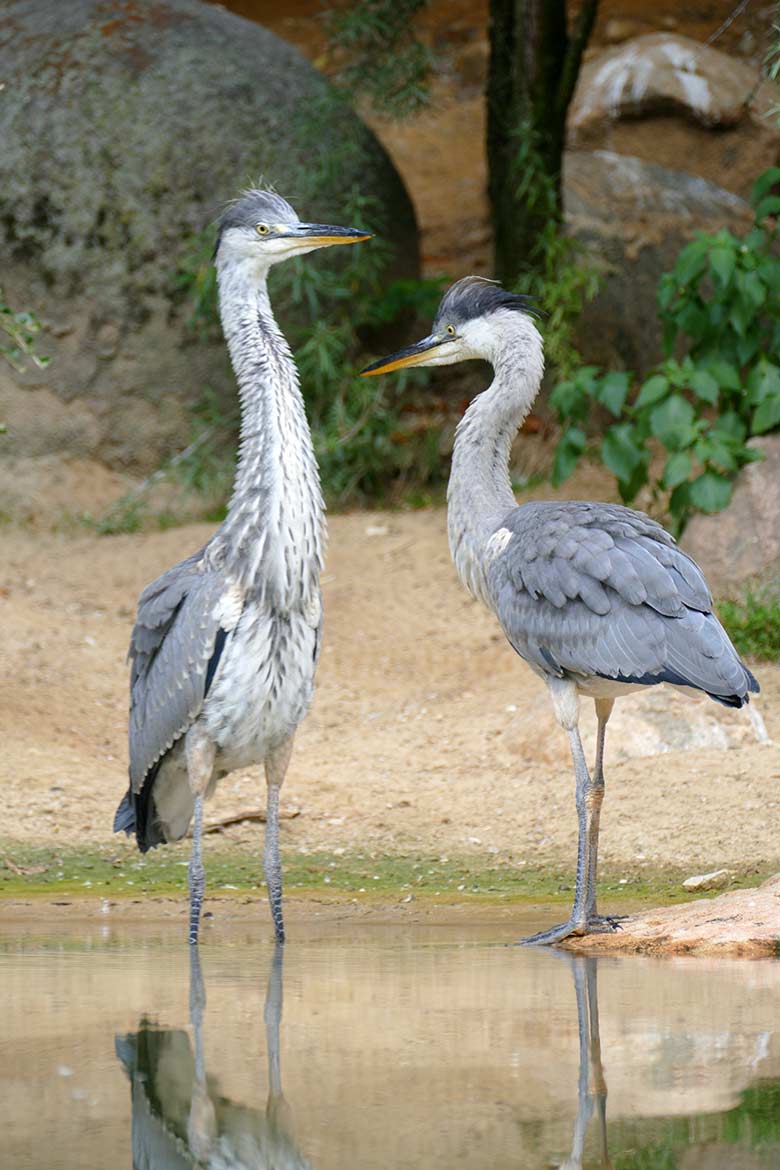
[122, 870]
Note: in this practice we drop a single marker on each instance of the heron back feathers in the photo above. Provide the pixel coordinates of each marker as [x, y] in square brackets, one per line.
[590, 589]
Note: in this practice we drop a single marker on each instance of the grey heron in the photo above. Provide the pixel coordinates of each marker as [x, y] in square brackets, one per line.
[225, 645]
[597, 598]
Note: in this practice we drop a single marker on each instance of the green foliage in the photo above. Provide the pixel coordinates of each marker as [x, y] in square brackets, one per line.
[721, 305]
[382, 58]
[754, 624]
[18, 344]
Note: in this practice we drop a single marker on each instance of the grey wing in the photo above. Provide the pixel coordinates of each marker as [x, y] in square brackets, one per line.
[175, 647]
[600, 590]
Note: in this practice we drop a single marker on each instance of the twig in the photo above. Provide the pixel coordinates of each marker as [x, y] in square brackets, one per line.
[728, 21]
[249, 814]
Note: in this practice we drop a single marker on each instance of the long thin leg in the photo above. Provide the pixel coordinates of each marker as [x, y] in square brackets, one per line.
[200, 753]
[275, 769]
[202, 1120]
[566, 703]
[196, 872]
[603, 712]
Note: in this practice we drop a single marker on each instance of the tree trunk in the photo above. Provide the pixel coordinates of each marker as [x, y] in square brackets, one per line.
[534, 64]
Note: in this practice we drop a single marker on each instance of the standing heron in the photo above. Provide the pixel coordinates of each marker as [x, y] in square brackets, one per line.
[595, 597]
[225, 645]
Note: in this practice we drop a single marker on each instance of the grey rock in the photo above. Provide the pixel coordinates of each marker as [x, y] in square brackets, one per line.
[680, 104]
[739, 548]
[662, 71]
[634, 217]
[708, 881]
[125, 127]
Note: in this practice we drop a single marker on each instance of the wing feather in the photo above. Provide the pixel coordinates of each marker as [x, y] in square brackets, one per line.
[175, 649]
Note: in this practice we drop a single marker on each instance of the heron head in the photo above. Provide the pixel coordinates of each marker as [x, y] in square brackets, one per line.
[262, 227]
[474, 317]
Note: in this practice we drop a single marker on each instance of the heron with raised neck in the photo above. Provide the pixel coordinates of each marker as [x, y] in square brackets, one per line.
[226, 643]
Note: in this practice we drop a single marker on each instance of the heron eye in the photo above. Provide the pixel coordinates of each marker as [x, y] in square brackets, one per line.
[262, 229]
[451, 330]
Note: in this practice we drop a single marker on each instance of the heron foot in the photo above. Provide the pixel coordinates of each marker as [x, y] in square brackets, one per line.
[556, 934]
[605, 923]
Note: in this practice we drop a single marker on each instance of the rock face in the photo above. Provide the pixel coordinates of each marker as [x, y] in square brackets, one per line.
[635, 217]
[678, 103]
[740, 546]
[125, 127]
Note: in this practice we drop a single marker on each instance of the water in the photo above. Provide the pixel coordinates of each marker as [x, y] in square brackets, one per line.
[367, 1047]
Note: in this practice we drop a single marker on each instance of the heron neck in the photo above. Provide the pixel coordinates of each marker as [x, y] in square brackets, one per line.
[272, 537]
[480, 494]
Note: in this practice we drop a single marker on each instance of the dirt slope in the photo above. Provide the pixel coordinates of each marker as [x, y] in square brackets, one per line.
[404, 749]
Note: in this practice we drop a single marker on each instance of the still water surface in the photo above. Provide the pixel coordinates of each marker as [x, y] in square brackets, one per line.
[367, 1047]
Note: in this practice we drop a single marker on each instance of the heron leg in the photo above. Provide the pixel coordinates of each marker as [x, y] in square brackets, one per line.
[200, 752]
[594, 919]
[276, 763]
[565, 700]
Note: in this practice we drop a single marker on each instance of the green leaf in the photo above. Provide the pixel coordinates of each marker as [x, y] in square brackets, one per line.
[768, 206]
[704, 386]
[732, 425]
[677, 469]
[567, 453]
[767, 415]
[672, 422]
[691, 261]
[764, 382]
[613, 391]
[752, 288]
[726, 375]
[621, 452]
[653, 390]
[722, 263]
[764, 183]
[711, 491]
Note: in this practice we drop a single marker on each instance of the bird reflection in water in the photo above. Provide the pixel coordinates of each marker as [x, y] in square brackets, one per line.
[591, 1086]
[180, 1120]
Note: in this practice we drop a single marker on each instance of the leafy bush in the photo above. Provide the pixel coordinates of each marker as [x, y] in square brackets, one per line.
[721, 306]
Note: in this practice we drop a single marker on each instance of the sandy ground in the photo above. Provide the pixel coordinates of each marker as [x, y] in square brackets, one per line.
[412, 743]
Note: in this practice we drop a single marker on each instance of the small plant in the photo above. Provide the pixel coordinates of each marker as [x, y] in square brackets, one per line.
[754, 624]
[382, 57]
[721, 304]
[18, 343]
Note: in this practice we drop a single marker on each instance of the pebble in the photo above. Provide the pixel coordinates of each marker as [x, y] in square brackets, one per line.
[708, 881]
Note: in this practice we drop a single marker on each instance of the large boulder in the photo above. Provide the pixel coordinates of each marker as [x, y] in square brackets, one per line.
[634, 217]
[739, 548]
[124, 128]
[678, 103]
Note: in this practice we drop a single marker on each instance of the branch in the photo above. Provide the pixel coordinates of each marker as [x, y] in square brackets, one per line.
[574, 50]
